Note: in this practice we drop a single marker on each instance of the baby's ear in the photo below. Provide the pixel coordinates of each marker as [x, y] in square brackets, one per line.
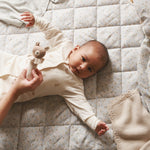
[37, 43]
[46, 48]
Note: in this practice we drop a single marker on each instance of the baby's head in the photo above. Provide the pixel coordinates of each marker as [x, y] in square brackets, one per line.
[88, 59]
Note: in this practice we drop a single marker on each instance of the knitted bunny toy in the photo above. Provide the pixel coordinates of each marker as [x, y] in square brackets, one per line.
[37, 58]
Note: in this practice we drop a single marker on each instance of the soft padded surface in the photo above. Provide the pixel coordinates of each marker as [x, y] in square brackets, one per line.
[47, 123]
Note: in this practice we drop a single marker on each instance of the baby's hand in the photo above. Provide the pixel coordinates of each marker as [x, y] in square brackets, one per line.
[28, 17]
[101, 128]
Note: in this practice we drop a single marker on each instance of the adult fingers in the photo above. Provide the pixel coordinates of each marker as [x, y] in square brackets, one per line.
[23, 73]
[39, 73]
[36, 78]
[35, 75]
[34, 83]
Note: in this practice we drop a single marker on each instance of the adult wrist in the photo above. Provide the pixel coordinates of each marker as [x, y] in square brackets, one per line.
[14, 93]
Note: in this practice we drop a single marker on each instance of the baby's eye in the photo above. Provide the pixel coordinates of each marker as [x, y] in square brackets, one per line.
[89, 68]
[83, 59]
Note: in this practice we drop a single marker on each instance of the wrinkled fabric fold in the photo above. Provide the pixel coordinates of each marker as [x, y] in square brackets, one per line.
[143, 64]
[10, 10]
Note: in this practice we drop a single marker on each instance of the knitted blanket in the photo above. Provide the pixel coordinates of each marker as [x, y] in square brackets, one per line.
[130, 121]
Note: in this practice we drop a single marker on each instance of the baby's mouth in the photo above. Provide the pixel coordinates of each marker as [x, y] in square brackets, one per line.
[76, 70]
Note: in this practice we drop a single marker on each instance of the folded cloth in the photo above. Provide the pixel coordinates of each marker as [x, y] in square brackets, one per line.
[143, 69]
[146, 146]
[130, 122]
[10, 10]
[143, 65]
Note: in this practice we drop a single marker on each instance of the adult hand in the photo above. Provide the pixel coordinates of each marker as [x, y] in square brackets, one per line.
[23, 85]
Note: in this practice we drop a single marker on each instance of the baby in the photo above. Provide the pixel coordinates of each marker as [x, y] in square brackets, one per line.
[63, 69]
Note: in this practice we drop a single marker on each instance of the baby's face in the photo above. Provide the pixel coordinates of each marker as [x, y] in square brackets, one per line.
[84, 63]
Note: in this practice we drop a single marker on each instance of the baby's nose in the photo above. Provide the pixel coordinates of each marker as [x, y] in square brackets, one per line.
[83, 66]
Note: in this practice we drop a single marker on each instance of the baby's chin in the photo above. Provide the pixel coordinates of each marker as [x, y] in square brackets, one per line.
[72, 69]
[83, 76]
[77, 73]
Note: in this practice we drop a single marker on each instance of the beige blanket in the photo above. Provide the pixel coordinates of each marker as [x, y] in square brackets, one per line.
[130, 121]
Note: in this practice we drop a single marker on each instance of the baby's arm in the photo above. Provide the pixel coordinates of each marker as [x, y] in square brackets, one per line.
[80, 107]
[53, 34]
[20, 86]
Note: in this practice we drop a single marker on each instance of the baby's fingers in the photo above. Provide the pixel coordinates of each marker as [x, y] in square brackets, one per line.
[26, 14]
[29, 25]
[26, 18]
[106, 127]
[101, 132]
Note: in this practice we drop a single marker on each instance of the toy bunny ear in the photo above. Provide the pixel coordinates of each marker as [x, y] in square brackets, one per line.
[37, 44]
[46, 48]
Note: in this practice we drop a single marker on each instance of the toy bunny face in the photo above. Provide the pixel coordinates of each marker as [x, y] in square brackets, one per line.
[39, 52]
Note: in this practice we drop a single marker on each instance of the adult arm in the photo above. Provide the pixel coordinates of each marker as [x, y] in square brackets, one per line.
[21, 85]
[6, 103]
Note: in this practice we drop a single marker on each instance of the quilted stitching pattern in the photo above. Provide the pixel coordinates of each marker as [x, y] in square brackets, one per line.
[47, 123]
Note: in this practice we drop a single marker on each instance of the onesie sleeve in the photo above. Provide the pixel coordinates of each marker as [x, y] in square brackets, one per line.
[81, 108]
[53, 34]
